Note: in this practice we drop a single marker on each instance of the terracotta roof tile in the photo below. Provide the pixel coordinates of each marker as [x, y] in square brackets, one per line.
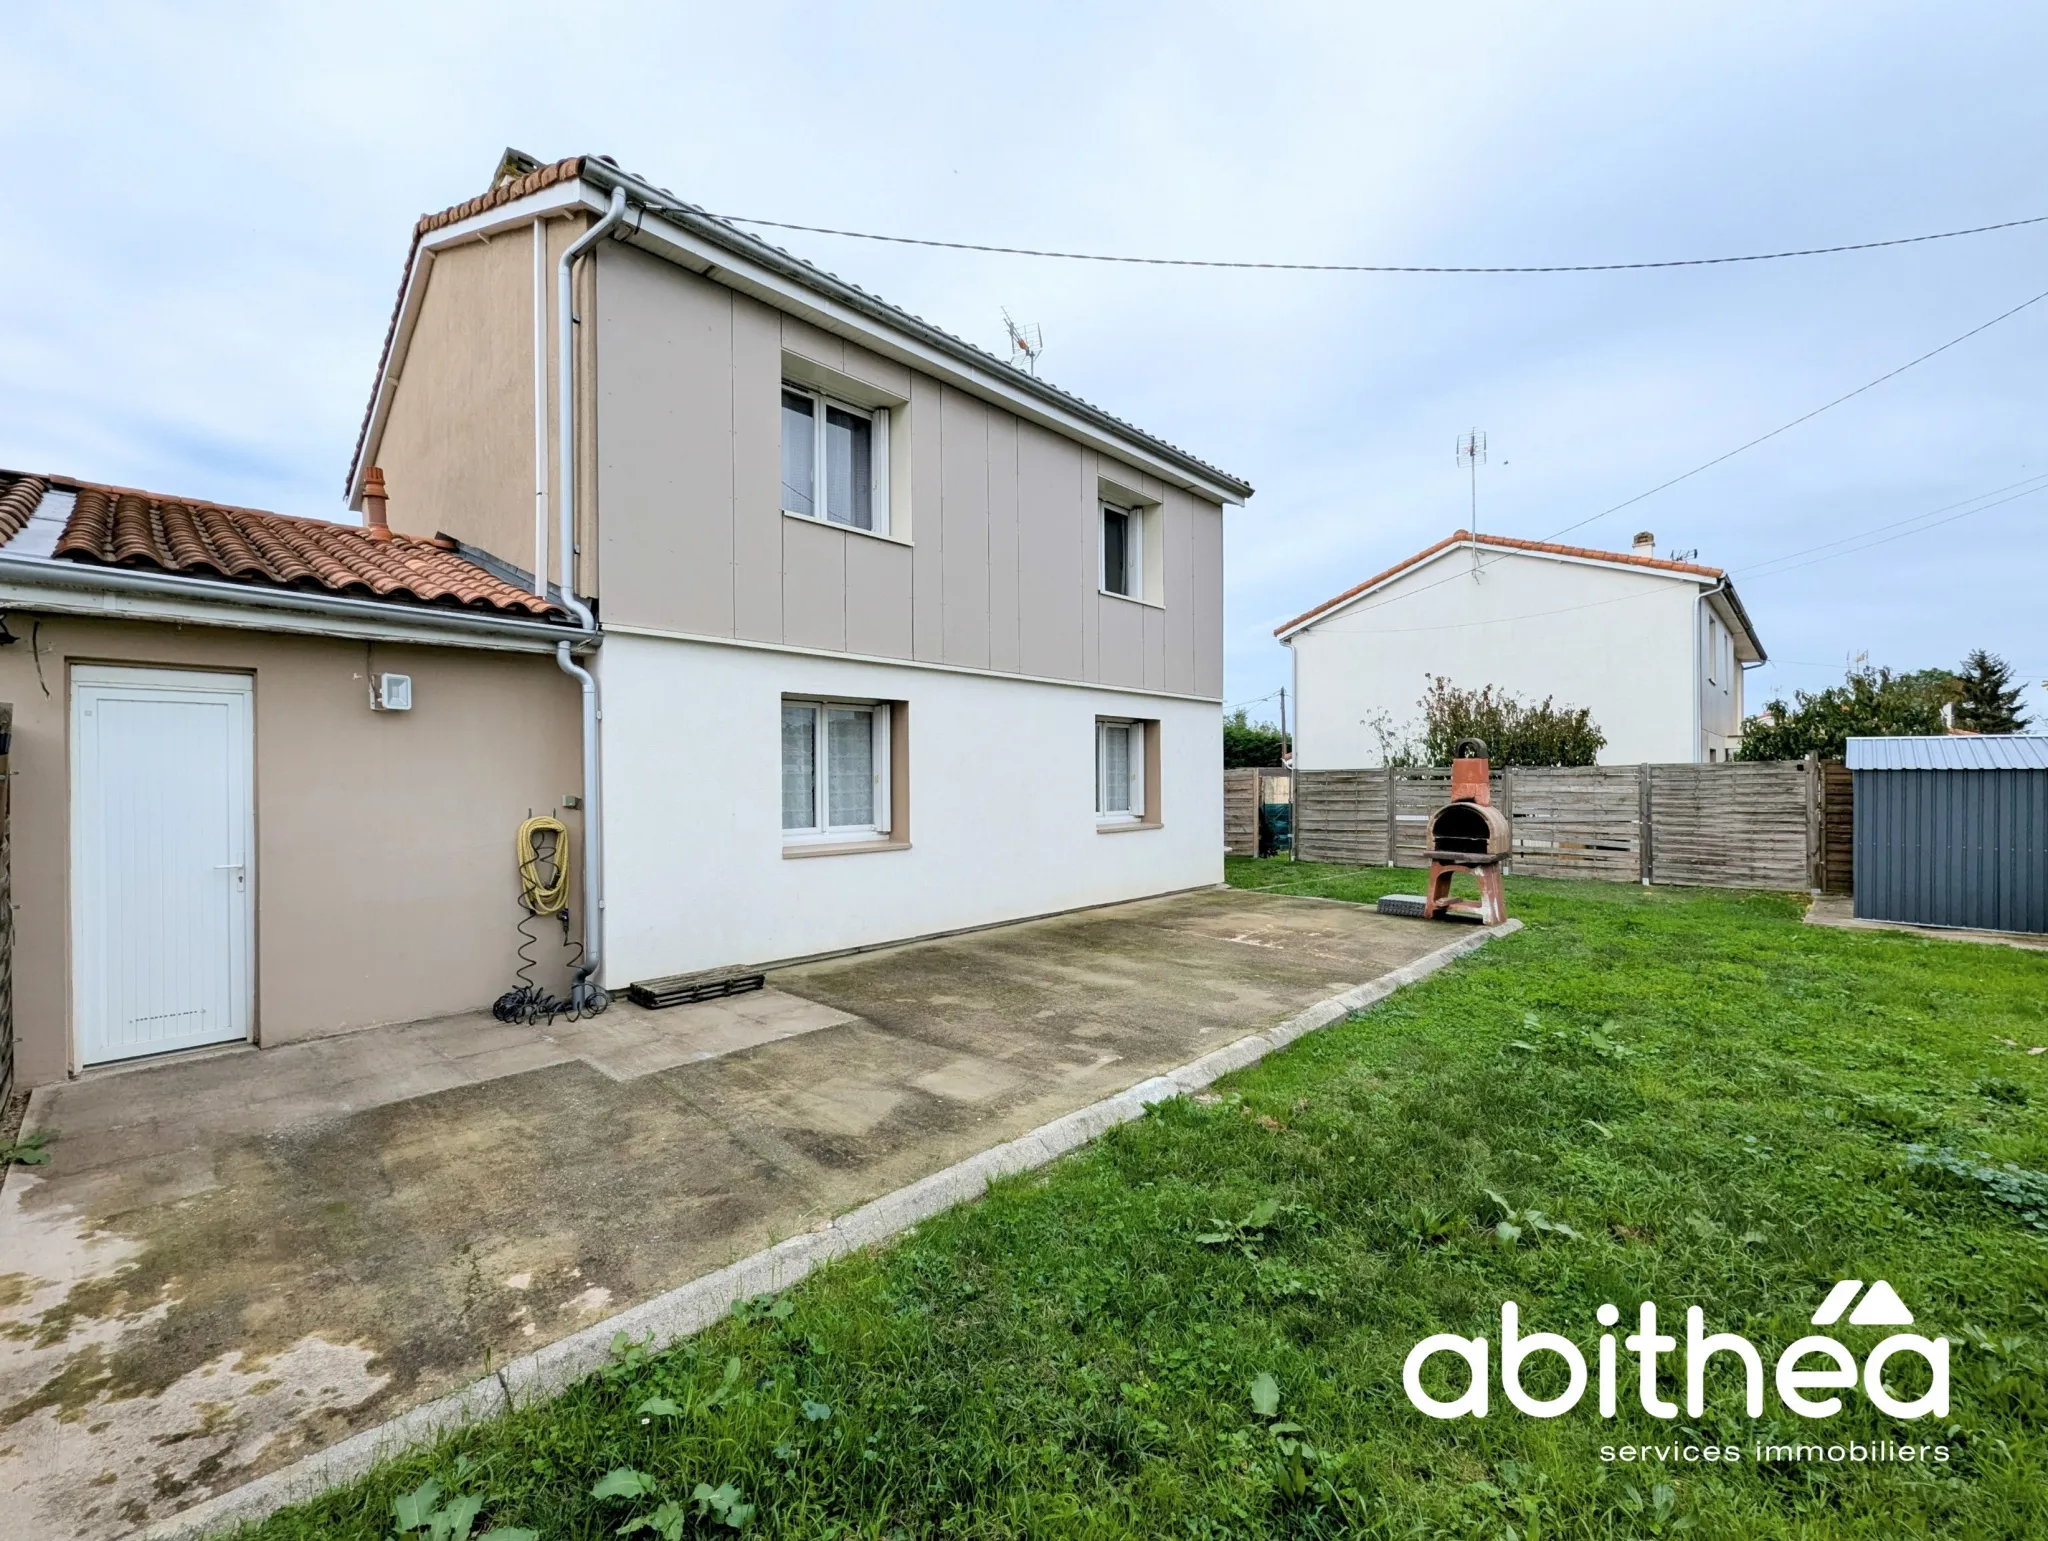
[120, 527]
[19, 496]
[1509, 542]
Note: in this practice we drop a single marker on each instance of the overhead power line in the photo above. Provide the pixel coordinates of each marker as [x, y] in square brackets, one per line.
[1857, 542]
[1784, 564]
[1804, 417]
[1373, 267]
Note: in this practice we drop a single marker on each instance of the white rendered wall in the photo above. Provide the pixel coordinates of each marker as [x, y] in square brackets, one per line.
[1720, 684]
[1617, 641]
[1002, 807]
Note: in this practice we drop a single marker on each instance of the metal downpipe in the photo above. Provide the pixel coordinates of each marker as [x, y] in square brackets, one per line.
[582, 989]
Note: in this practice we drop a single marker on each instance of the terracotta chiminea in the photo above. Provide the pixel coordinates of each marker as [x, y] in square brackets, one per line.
[1468, 834]
[374, 499]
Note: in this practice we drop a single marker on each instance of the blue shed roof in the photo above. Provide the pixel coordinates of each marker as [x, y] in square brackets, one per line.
[1950, 751]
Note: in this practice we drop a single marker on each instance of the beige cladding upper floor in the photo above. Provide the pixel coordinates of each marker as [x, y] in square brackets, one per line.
[992, 557]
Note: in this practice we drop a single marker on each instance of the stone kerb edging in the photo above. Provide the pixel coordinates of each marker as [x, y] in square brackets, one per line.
[690, 1308]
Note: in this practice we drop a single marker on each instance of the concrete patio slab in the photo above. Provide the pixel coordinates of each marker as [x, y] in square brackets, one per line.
[1840, 912]
[238, 1260]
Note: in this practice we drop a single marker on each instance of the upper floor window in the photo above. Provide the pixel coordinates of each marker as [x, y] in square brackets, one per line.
[1123, 552]
[835, 459]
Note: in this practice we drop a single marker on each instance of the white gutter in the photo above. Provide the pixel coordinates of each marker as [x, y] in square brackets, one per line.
[73, 588]
[540, 406]
[583, 992]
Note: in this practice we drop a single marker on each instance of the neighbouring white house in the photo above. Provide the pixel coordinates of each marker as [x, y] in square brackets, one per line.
[1653, 646]
[895, 638]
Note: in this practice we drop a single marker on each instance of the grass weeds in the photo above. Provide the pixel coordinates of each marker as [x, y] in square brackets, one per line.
[1196, 1326]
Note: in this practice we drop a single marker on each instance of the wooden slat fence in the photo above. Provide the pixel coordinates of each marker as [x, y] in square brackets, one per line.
[1731, 825]
[1837, 828]
[1578, 822]
[1240, 812]
[1244, 789]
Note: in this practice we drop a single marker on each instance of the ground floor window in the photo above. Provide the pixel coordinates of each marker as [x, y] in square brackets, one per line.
[1126, 772]
[835, 769]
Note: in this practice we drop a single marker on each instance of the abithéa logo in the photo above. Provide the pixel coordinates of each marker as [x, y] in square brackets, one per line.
[1815, 1363]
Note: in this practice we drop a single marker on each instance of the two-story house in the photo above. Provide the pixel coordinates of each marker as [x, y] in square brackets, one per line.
[1654, 647]
[896, 639]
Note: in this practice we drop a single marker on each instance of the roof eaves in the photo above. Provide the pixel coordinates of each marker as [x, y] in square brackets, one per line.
[1660, 565]
[1727, 592]
[599, 171]
[602, 171]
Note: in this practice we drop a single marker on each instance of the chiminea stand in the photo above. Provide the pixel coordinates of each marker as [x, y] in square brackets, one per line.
[1468, 834]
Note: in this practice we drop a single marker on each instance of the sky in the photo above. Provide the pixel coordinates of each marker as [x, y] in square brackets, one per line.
[211, 206]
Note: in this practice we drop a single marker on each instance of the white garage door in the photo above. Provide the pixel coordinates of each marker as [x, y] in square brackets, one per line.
[162, 830]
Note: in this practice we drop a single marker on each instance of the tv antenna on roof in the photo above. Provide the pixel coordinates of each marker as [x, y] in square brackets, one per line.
[1472, 455]
[1027, 341]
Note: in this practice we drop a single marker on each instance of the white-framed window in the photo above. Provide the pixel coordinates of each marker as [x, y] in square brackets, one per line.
[1123, 551]
[1119, 770]
[835, 769]
[835, 459]
[1713, 651]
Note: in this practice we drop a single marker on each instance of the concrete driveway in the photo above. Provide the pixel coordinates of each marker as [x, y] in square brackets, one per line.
[233, 1261]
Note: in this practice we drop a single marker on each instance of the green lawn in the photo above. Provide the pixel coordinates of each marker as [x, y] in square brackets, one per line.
[1721, 1105]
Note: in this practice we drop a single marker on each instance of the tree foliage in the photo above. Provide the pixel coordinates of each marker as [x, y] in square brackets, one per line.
[1869, 703]
[1516, 732]
[1250, 743]
[1987, 701]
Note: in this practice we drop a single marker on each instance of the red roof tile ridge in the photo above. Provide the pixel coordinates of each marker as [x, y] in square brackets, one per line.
[1509, 542]
[508, 191]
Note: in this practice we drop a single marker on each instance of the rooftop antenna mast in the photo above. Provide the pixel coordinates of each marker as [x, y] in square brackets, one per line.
[1472, 455]
[1027, 341]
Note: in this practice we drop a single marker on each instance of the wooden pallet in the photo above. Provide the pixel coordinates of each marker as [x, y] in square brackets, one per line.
[682, 989]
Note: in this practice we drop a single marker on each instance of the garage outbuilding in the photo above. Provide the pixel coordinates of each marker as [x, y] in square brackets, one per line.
[1952, 830]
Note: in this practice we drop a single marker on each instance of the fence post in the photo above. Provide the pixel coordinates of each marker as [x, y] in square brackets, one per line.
[1645, 864]
[1507, 811]
[1390, 816]
[1815, 857]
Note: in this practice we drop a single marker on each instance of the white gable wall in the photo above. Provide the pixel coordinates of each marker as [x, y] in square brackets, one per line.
[1619, 641]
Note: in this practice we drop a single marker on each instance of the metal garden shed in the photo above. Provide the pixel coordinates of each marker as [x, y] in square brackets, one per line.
[1952, 830]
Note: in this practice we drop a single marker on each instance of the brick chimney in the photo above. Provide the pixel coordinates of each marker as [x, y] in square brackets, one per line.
[374, 499]
[1646, 543]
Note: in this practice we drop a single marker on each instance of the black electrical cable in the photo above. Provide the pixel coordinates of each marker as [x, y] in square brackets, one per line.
[1366, 267]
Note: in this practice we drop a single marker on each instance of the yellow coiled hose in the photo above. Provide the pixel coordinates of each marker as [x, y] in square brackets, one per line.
[540, 891]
